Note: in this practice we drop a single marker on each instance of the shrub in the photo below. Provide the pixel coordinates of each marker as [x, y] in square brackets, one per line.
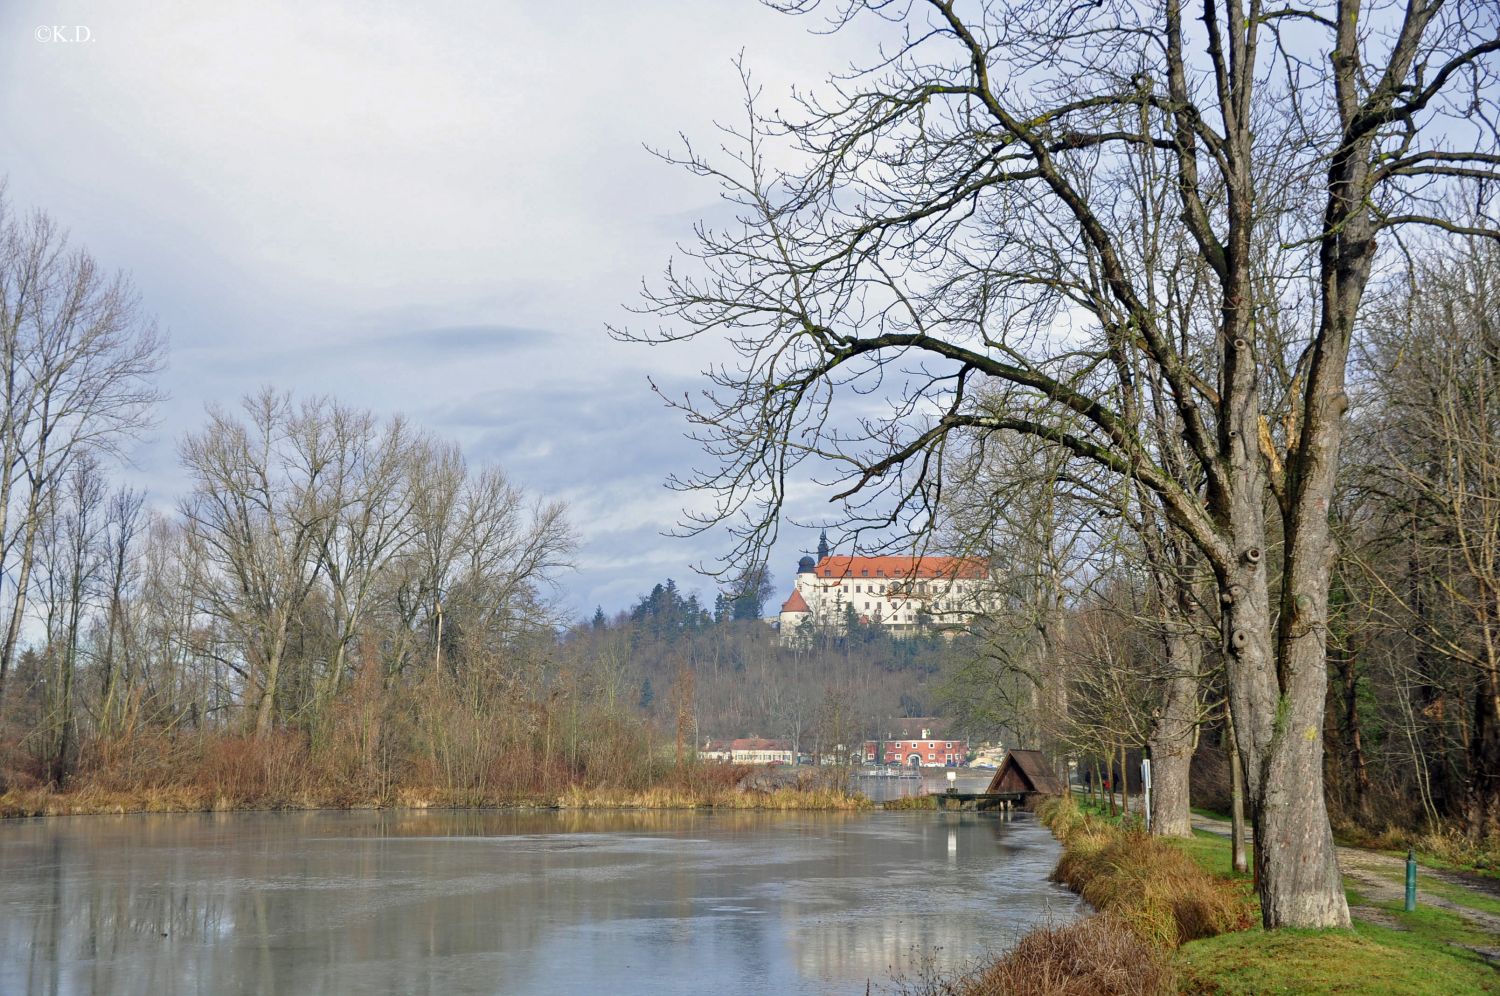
[1152, 886]
[1096, 956]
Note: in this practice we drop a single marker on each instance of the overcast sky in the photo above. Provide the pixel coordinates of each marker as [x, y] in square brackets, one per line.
[430, 208]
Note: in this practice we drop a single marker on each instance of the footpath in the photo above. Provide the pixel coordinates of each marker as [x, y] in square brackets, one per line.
[1376, 880]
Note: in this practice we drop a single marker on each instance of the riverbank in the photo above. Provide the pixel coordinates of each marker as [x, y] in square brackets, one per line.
[1172, 918]
[90, 801]
[87, 802]
[261, 774]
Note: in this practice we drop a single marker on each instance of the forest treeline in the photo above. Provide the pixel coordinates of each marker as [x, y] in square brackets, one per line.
[700, 673]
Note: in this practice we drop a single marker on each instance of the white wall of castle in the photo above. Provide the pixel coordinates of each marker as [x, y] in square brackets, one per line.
[892, 602]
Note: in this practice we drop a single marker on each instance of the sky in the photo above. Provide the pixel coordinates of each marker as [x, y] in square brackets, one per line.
[425, 208]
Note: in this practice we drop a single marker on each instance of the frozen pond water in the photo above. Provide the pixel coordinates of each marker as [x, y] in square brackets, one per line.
[510, 902]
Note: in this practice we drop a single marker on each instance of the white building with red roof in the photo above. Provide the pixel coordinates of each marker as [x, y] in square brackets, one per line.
[903, 594]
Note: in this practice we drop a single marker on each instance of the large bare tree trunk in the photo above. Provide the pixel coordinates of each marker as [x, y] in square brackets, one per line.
[1279, 724]
[1174, 738]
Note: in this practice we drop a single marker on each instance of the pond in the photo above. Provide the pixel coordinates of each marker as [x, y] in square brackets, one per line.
[496, 901]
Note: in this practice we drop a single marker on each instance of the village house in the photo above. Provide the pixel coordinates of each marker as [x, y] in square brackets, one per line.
[748, 750]
[918, 746]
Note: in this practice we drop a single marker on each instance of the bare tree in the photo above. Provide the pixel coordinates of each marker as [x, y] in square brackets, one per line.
[951, 229]
[254, 520]
[366, 523]
[122, 572]
[75, 565]
[77, 364]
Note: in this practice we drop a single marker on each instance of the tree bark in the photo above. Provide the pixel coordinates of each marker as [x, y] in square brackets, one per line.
[1173, 739]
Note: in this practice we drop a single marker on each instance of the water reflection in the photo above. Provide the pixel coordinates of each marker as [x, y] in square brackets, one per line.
[509, 902]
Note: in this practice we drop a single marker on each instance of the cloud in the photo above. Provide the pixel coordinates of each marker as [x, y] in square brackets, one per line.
[428, 209]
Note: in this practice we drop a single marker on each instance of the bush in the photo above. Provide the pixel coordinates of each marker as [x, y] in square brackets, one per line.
[1149, 884]
[1097, 956]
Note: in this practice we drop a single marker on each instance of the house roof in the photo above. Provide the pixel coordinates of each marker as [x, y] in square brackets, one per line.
[758, 743]
[970, 568]
[1032, 766]
[911, 727]
[795, 604]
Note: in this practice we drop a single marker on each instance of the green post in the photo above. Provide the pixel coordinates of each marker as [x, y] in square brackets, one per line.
[1411, 879]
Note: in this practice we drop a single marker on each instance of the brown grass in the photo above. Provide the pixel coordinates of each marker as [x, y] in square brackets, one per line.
[1151, 897]
[911, 802]
[1149, 885]
[1097, 956]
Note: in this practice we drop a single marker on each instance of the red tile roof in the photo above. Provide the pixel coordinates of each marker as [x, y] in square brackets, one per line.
[902, 567]
[795, 604]
[759, 743]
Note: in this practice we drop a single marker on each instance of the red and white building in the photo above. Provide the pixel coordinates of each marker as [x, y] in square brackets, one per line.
[918, 753]
[903, 594]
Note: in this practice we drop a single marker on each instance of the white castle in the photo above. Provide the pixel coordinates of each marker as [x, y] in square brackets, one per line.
[902, 594]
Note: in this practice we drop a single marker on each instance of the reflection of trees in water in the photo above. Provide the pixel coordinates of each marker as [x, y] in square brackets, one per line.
[878, 948]
[435, 900]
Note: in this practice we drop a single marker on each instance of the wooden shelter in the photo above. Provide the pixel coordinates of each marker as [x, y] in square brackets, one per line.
[1026, 771]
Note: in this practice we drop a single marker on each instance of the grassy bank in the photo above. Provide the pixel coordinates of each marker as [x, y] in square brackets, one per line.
[225, 774]
[911, 802]
[1171, 919]
[89, 800]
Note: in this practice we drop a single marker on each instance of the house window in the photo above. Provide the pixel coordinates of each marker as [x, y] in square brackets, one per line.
[867, 605]
[864, 573]
[948, 746]
[932, 757]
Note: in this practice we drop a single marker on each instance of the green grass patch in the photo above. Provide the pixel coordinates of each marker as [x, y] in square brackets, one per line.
[1472, 898]
[1368, 959]
[1211, 851]
[1438, 927]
